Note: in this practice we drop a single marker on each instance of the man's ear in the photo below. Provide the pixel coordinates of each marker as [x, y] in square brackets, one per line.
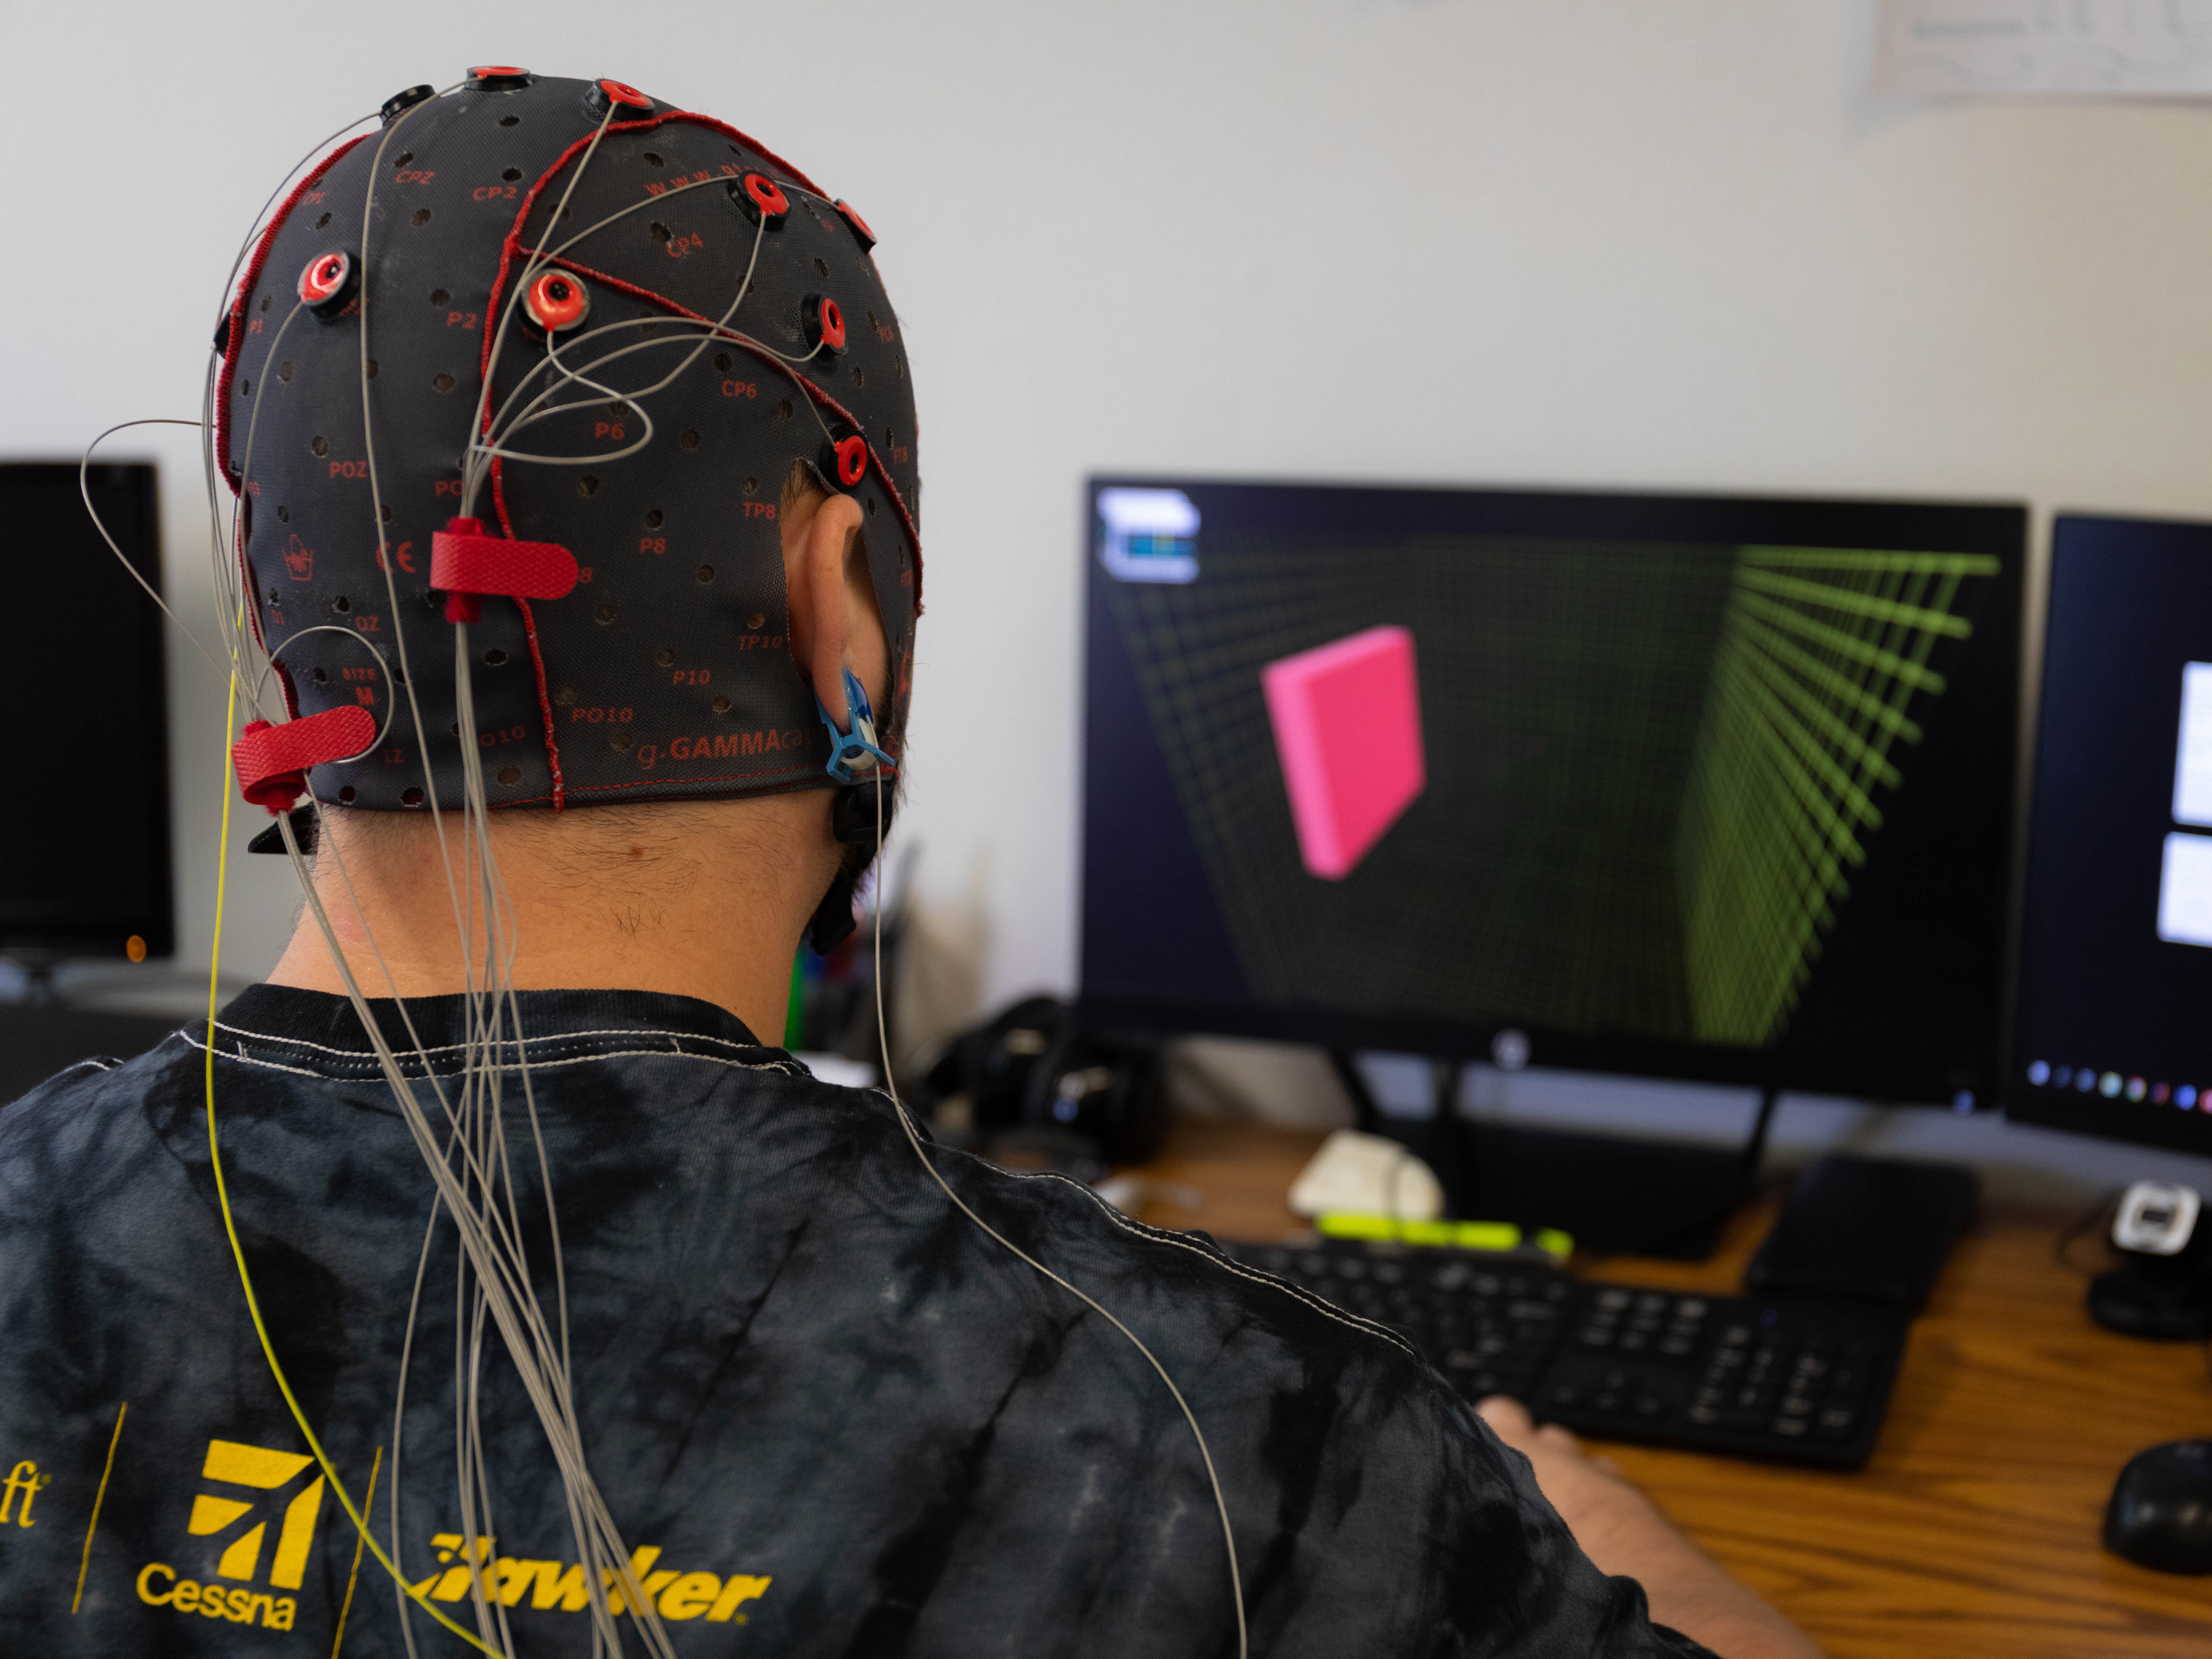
[817, 535]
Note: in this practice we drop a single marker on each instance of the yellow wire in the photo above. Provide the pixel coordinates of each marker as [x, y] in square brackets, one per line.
[230, 1226]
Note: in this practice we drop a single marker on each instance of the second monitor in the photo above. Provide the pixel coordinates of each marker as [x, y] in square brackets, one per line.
[1701, 787]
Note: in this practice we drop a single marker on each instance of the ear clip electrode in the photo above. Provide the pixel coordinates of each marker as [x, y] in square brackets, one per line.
[856, 751]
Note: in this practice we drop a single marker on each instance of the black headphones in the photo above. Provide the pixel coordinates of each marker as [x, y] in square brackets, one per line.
[853, 821]
[1033, 1067]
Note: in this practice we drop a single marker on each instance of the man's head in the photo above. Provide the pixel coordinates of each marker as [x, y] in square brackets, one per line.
[579, 319]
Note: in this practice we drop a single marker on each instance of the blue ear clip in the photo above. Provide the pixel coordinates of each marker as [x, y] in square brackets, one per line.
[856, 751]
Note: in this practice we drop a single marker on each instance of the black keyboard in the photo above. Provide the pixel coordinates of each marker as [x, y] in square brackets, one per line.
[1799, 1378]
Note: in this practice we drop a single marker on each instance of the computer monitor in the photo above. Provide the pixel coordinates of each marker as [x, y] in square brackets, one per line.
[84, 829]
[2113, 1035]
[1692, 787]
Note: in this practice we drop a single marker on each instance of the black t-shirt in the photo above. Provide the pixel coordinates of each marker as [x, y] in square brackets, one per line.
[829, 1415]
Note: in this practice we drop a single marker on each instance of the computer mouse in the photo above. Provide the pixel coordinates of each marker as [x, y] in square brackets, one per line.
[2160, 1515]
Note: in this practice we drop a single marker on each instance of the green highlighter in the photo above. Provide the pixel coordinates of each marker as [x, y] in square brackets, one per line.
[1496, 1236]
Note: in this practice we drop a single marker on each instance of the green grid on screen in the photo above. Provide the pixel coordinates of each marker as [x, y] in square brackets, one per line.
[1562, 686]
[1822, 655]
[1649, 769]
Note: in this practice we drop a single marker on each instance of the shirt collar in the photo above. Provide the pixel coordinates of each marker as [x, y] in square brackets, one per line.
[326, 1027]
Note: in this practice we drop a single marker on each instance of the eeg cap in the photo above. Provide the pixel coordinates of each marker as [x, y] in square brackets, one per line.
[619, 549]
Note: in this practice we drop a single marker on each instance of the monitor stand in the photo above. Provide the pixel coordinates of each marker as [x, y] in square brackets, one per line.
[1611, 1192]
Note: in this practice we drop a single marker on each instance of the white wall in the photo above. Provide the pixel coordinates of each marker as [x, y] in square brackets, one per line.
[1672, 244]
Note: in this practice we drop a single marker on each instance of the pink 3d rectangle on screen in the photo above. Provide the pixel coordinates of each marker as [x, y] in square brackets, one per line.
[1347, 723]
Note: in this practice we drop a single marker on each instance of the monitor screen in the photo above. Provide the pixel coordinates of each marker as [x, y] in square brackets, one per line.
[2112, 1034]
[84, 831]
[1700, 788]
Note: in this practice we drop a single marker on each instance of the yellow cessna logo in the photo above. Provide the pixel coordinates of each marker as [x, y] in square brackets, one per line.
[274, 1478]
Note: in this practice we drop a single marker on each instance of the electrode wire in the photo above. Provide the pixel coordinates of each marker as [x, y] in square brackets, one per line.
[497, 437]
[230, 1222]
[491, 1222]
[477, 1232]
[906, 1123]
[472, 481]
[383, 671]
[463, 912]
[85, 490]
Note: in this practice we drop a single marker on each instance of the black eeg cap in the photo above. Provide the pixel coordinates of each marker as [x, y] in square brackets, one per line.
[667, 672]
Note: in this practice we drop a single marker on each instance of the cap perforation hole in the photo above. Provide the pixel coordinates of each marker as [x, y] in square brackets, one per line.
[439, 296]
[319, 445]
[751, 486]
[653, 161]
[822, 265]
[658, 231]
[323, 222]
[508, 120]
[706, 574]
[510, 175]
[723, 362]
[783, 409]
[422, 216]
[284, 372]
[690, 439]
[588, 485]
[410, 797]
[443, 383]
[494, 658]
[720, 705]
[653, 517]
[665, 657]
[345, 796]
[342, 604]
[510, 775]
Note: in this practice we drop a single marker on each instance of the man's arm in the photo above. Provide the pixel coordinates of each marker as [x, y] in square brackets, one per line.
[1621, 1531]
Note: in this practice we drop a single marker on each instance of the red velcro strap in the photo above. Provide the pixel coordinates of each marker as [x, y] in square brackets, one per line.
[272, 761]
[465, 562]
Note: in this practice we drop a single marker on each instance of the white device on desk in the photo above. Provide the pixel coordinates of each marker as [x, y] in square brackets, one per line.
[2156, 1217]
[1367, 1175]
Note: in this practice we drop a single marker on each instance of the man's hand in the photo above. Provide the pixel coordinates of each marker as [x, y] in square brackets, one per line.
[1624, 1532]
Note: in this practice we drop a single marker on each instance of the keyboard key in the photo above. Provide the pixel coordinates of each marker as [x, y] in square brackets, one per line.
[1613, 1301]
[1791, 1428]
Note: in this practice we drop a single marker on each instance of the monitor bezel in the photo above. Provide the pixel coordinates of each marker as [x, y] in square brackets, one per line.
[146, 790]
[1978, 525]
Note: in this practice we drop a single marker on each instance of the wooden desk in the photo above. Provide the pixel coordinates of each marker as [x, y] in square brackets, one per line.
[1973, 1532]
